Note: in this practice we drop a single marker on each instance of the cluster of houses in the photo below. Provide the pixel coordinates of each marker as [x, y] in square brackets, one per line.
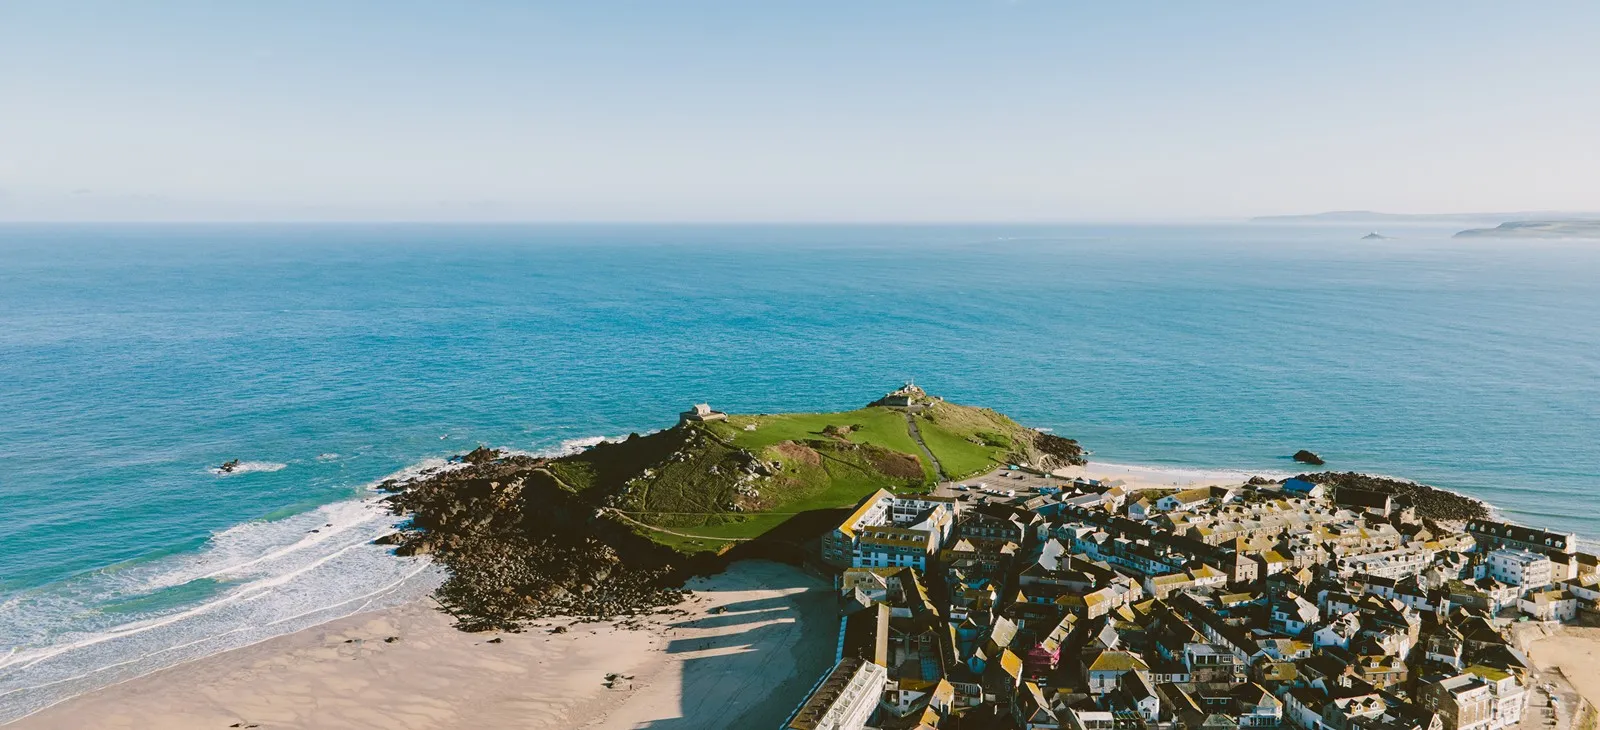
[1087, 606]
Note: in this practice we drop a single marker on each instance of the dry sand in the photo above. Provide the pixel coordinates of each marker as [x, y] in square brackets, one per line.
[744, 665]
[1575, 650]
[1153, 477]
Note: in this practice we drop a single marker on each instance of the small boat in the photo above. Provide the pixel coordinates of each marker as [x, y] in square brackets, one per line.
[228, 466]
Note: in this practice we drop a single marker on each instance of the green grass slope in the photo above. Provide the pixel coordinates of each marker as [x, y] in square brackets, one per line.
[703, 486]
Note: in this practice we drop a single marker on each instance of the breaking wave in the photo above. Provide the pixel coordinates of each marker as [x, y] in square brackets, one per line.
[246, 584]
[245, 467]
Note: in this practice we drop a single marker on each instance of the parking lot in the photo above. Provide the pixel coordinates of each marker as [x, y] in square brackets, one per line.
[1003, 485]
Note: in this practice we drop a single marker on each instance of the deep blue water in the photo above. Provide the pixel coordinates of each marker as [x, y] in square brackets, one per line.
[133, 358]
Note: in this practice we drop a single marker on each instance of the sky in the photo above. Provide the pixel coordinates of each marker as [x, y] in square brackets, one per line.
[772, 110]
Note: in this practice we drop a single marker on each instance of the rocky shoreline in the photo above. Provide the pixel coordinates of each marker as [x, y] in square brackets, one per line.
[518, 545]
[1430, 502]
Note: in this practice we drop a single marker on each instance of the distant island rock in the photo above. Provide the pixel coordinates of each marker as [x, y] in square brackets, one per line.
[1375, 236]
[1586, 229]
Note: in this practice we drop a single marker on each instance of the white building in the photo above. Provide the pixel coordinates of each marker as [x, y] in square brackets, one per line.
[886, 531]
[1398, 563]
[1089, 719]
[843, 700]
[1520, 568]
[1510, 697]
[1555, 604]
[1293, 614]
[1185, 500]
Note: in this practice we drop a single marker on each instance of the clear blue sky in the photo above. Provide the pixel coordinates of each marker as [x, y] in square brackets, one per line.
[776, 110]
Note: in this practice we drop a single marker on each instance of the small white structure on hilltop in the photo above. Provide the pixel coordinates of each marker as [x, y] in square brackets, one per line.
[906, 396]
[701, 413]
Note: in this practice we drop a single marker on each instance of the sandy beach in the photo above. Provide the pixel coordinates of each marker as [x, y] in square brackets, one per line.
[1575, 652]
[1153, 477]
[741, 652]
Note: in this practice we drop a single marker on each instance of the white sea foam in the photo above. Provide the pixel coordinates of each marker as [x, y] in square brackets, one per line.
[576, 446]
[248, 583]
[569, 447]
[245, 467]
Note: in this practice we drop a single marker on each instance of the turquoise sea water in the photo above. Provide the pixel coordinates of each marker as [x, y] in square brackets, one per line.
[134, 358]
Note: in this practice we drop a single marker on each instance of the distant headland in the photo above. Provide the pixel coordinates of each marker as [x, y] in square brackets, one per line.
[1368, 216]
[1555, 229]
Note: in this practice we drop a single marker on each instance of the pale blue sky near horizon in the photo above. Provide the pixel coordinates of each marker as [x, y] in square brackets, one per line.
[1026, 110]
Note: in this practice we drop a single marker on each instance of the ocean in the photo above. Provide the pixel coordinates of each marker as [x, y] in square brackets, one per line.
[135, 358]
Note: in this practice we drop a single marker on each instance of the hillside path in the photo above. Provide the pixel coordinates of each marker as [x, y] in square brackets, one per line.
[647, 526]
[911, 425]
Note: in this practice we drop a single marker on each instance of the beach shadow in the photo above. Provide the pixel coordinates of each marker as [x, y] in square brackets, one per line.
[734, 619]
[755, 677]
[757, 604]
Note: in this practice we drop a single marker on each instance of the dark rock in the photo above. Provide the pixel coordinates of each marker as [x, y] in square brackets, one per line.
[1307, 457]
[1056, 451]
[391, 640]
[1430, 503]
[518, 545]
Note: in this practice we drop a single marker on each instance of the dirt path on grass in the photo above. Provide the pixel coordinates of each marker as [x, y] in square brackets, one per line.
[916, 435]
[624, 516]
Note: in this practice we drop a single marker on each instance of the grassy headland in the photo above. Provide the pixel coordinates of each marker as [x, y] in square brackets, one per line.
[701, 485]
[611, 529]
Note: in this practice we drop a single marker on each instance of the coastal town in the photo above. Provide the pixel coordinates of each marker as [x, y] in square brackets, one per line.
[1027, 599]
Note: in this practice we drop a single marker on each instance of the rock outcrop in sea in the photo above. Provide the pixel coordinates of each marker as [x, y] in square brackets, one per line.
[1308, 457]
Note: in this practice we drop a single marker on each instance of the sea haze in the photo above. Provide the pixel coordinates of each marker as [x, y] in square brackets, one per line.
[135, 358]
